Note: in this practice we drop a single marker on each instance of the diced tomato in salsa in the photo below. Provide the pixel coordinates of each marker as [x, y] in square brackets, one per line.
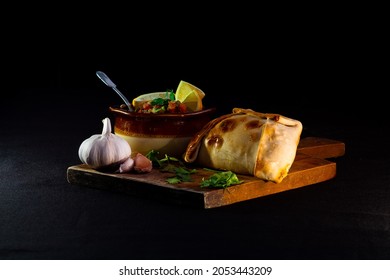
[168, 107]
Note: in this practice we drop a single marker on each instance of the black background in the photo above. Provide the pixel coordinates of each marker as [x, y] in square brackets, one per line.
[325, 75]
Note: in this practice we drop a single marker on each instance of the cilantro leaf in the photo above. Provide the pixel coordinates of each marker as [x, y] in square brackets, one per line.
[182, 174]
[221, 179]
[174, 180]
[153, 156]
[171, 94]
[171, 165]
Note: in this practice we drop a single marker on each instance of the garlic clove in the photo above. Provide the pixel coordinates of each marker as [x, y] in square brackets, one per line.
[104, 151]
[142, 164]
[126, 166]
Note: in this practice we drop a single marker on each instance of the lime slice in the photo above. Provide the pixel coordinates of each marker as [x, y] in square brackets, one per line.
[141, 99]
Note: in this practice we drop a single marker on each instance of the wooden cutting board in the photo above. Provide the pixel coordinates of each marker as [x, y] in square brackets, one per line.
[311, 166]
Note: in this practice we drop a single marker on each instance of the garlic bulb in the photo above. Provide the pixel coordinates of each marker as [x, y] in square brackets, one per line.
[104, 150]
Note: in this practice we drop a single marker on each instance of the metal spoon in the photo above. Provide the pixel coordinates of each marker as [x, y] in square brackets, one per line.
[110, 84]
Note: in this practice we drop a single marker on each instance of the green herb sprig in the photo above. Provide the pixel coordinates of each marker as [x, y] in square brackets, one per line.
[220, 179]
[171, 165]
[160, 104]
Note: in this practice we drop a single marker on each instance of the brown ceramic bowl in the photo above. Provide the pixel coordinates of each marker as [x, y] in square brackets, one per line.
[166, 133]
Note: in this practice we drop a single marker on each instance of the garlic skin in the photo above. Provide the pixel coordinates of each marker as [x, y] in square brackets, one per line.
[103, 150]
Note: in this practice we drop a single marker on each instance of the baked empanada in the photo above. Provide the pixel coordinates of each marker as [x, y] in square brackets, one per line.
[247, 142]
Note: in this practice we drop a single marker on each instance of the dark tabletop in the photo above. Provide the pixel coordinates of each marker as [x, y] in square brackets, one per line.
[47, 113]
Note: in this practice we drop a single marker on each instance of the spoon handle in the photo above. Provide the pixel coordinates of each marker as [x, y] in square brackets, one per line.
[124, 99]
[107, 81]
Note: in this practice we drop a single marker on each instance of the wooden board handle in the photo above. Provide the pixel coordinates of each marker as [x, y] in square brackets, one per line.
[321, 147]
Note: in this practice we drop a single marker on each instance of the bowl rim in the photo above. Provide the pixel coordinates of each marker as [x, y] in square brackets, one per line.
[119, 111]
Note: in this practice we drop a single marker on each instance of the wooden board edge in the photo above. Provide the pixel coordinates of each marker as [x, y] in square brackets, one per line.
[260, 188]
[77, 176]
